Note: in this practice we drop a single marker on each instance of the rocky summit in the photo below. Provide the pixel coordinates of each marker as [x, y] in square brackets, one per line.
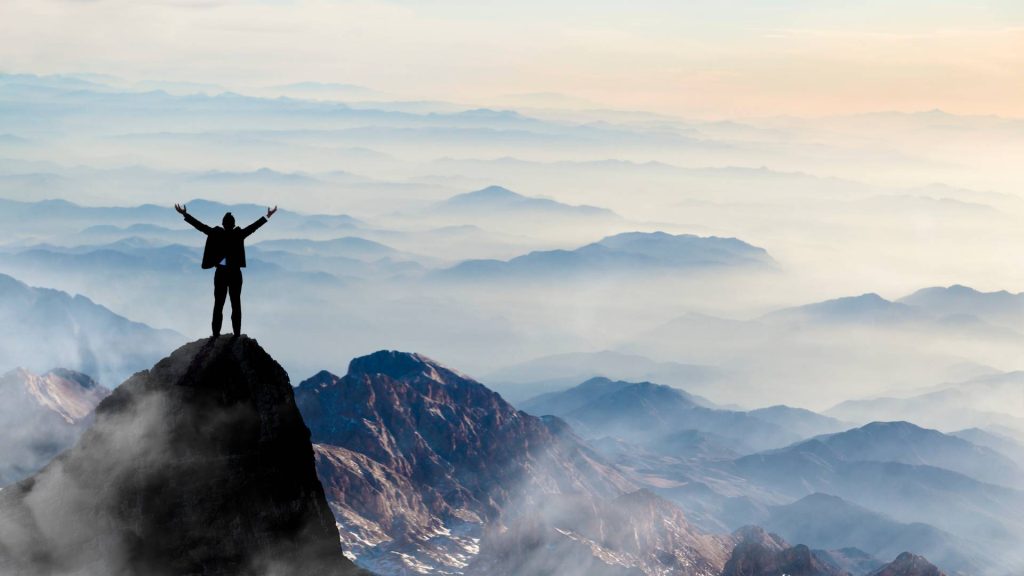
[201, 465]
[907, 564]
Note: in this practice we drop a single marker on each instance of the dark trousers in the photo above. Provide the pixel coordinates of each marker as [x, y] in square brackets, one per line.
[227, 280]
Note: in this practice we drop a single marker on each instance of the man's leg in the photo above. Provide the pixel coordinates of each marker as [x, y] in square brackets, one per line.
[220, 292]
[235, 290]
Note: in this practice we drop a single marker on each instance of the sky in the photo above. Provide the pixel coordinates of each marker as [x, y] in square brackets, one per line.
[704, 58]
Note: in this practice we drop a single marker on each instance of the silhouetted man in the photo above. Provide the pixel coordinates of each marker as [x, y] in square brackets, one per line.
[225, 250]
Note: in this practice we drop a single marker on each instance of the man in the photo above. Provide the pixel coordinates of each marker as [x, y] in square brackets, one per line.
[225, 250]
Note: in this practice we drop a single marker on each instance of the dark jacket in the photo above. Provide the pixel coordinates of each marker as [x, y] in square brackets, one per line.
[221, 243]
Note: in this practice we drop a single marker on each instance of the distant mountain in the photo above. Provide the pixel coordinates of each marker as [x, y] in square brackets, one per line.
[59, 217]
[824, 521]
[345, 247]
[908, 564]
[956, 310]
[692, 469]
[284, 220]
[1000, 308]
[200, 465]
[867, 308]
[910, 444]
[504, 211]
[566, 401]
[627, 253]
[426, 468]
[645, 412]
[1004, 444]
[860, 343]
[495, 201]
[904, 443]
[109, 233]
[44, 414]
[42, 328]
[800, 421]
[261, 176]
[561, 371]
[979, 402]
[759, 553]
[908, 493]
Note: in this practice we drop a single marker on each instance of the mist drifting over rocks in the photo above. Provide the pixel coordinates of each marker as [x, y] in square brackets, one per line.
[201, 465]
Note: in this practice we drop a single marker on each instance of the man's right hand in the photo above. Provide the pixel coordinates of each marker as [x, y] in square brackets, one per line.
[182, 209]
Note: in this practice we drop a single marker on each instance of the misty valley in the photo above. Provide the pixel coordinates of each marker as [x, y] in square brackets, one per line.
[530, 341]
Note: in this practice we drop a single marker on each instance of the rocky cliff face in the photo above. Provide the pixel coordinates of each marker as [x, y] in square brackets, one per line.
[43, 415]
[907, 564]
[201, 465]
[428, 471]
[759, 553]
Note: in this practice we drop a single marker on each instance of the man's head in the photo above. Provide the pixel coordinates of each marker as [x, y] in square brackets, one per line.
[228, 221]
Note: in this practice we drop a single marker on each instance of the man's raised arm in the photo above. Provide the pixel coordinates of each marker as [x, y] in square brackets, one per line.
[183, 210]
[255, 225]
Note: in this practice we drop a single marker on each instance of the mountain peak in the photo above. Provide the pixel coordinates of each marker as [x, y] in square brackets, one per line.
[496, 191]
[395, 364]
[869, 307]
[485, 196]
[760, 552]
[71, 395]
[907, 564]
[200, 465]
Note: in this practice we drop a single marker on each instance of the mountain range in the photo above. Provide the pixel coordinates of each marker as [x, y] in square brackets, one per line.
[421, 467]
[823, 521]
[626, 253]
[653, 414]
[496, 202]
[427, 468]
[910, 444]
[760, 553]
[991, 400]
[42, 328]
[58, 216]
[865, 342]
[560, 371]
[870, 467]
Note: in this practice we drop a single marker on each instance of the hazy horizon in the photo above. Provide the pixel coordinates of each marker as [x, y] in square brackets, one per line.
[736, 60]
[643, 275]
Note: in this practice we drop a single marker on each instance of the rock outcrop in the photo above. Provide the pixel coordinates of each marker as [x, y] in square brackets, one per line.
[759, 553]
[907, 564]
[43, 415]
[200, 466]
